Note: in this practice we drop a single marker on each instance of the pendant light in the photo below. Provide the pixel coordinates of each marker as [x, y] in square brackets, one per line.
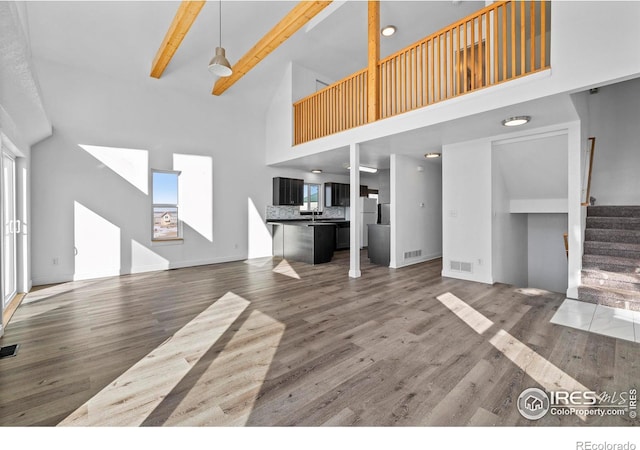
[219, 64]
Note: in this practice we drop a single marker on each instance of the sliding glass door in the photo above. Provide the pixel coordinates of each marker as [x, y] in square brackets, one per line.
[10, 229]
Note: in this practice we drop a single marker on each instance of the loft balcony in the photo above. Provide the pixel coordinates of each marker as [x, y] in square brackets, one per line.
[501, 42]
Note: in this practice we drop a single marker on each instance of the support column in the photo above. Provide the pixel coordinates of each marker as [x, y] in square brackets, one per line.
[354, 209]
[373, 83]
[575, 211]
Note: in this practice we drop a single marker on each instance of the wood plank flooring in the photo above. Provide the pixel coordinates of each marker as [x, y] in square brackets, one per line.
[263, 343]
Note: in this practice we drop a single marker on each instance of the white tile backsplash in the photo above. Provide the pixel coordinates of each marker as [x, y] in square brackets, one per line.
[293, 212]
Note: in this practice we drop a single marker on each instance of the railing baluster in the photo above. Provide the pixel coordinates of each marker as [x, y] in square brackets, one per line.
[543, 34]
[532, 36]
[513, 39]
[523, 38]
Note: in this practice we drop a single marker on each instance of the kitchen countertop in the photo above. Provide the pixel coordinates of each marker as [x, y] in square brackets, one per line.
[309, 222]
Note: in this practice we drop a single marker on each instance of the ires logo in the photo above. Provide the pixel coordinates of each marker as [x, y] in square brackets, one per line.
[576, 398]
[534, 403]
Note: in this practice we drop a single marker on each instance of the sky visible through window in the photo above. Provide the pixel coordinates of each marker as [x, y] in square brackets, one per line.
[165, 188]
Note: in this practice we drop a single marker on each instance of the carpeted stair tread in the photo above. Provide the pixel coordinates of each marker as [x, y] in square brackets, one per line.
[614, 223]
[611, 257]
[613, 211]
[592, 262]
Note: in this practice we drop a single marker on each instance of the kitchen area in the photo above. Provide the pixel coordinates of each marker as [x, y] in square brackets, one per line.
[310, 221]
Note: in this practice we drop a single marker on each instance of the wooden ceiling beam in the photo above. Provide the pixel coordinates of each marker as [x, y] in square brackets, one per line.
[302, 13]
[184, 18]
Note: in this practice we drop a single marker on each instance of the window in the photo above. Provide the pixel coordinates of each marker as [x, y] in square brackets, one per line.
[166, 223]
[311, 198]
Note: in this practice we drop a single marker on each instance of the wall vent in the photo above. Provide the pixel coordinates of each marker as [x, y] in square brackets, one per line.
[412, 254]
[461, 266]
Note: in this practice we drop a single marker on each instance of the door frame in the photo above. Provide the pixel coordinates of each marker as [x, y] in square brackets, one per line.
[5, 152]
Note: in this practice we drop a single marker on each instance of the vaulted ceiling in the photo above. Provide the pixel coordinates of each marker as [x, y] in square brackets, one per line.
[120, 39]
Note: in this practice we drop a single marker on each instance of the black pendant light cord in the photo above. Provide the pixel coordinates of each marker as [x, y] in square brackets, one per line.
[220, 21]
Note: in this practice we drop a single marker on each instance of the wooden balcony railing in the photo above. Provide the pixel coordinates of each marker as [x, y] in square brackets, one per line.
[504, 41]
[337, 107]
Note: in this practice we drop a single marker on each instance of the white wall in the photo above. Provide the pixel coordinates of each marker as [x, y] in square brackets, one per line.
[304, 81]
[466, 209]
[581, 57]
[509, 233]
[384, 186]
[416, 197]
[614, 120]
[74, 191]
[22, 114]
[547, 260]
[279, 118]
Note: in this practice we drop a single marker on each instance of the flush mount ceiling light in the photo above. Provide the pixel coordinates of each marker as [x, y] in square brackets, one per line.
[387, 31]
[219, 64]
[432, 155]
[365, 169]
[316, 170]
[515, 121]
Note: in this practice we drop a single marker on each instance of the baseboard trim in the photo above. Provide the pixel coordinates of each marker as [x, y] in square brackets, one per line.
[417, 261]
[461, 276]
[65, 278]
[8, 312]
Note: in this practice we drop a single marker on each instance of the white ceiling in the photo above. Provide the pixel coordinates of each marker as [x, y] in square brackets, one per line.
[120, 38]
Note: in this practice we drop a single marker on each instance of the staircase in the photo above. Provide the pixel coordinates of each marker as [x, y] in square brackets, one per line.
[611, 259]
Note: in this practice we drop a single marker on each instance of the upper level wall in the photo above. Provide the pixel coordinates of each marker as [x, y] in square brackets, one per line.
[592, 43]
[613, 117]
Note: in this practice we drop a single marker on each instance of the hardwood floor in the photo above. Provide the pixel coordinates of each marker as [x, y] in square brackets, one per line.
[271, 342]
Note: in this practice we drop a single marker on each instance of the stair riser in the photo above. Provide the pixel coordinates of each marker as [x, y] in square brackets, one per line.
[614, 223]
[610, 264]
[608, 299]
[613, 211]
[604, 251]
[629, 278]
[618, 236]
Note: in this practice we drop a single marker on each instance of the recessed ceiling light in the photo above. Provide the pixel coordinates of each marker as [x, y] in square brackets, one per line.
[515, 121]
[432, 155]
[387, 31]
[316, 170]
[365, 169]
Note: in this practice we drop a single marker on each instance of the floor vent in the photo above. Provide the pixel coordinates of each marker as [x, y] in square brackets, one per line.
[461, 266]
[9, 351]
[413, 254]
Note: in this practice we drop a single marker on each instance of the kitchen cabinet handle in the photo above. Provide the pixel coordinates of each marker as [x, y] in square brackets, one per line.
[18, 227]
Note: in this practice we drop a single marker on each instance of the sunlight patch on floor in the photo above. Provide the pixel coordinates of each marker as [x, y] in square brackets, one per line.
[284, 268]
[545, 373]
[470, 316]
[130, 399]
[237, 372]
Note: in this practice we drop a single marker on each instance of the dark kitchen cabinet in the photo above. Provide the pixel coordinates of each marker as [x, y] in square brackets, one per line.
[364, 191]
[336, 194]
[287, 191]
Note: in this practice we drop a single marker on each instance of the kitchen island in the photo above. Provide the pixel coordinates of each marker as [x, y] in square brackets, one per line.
[312, 242]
